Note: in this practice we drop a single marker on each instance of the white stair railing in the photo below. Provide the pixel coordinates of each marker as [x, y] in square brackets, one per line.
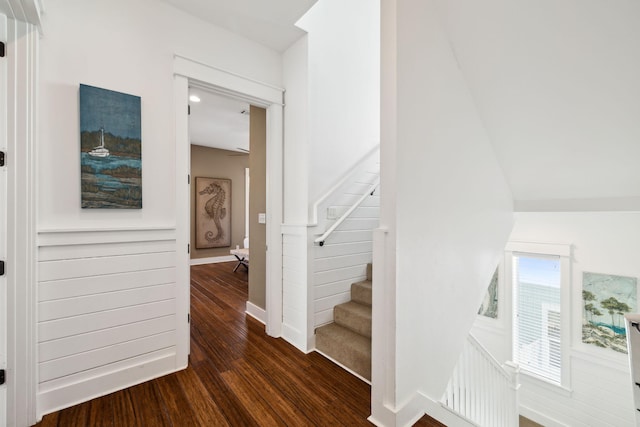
[320, 240]
[481, 390]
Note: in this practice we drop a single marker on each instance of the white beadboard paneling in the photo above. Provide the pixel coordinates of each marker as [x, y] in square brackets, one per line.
[331, 301]
[324, 264]
[55, 329]
[66, 237]
[332, 251]
[350, 199]
[104, 356]
[106, 305]
[341, 236]
[67, 288]
[323, 317]
[324, 291]
[55, 349]
[69, 307]
[53, 253]
[358, 224]
[344, 257]
[87, 267]
[62, 393]
[355, 274]
[297, 329]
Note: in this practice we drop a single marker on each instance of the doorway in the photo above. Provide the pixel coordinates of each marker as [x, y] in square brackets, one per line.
[189, 73]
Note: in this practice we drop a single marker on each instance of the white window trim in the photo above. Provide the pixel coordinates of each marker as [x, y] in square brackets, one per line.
[564, 252]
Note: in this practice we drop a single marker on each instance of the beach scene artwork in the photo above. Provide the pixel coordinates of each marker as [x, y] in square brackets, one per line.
[110, 149]
[606, 298]
[489, 306]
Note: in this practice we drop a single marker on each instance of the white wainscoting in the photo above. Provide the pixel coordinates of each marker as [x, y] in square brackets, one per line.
[106, 312]
[296, 298]
[340, 262]
[344, 257]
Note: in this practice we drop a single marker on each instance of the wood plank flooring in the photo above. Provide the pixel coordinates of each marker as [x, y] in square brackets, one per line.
[237, 375]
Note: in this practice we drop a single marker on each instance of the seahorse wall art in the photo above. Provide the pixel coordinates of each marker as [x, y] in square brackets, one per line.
[213, 213]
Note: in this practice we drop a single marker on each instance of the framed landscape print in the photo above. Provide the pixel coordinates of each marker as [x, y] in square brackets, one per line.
[213, 213]
[605, 300]
[110, 149]
[489, 307]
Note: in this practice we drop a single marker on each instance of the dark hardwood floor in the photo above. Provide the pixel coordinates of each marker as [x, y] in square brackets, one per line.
[237, 375]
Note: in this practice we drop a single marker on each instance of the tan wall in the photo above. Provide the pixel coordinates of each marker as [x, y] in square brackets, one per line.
[257, 204]
[214, 163]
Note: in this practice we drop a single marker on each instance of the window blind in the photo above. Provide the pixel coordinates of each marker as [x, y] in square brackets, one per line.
[537, 314]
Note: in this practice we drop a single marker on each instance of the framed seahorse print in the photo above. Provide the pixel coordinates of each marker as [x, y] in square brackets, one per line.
[213, 213]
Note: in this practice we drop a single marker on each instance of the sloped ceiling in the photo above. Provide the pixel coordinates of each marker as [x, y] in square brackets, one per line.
[557, 83]
[268, 22]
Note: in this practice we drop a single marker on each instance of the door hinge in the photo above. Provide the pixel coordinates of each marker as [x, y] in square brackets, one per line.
[188, 179]
[2, 50]
[1, 158]
[1, 268]
[188, 248]
[2, 376]
[188, 110]
[188, 318]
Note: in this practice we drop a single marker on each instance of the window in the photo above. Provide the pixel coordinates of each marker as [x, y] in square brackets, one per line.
[537, 315]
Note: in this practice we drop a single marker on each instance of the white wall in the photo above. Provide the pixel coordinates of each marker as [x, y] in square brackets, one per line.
[344, 87]
[296, 136]
[127, 47]
[453, 207]
[600, 383]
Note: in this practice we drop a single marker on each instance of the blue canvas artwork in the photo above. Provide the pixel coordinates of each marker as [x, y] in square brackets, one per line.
[110, 149]
[605, 300]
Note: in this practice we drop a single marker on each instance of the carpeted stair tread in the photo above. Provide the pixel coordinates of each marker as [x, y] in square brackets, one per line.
[345, 346]
[361, 292]
[354, 316]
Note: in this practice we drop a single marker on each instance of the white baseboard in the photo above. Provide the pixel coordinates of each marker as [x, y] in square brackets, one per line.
[103, 384]
[256, 312]
[295, 337]
[212, 260]
[414, 409]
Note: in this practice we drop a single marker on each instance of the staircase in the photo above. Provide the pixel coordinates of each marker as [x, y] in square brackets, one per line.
[348, 339]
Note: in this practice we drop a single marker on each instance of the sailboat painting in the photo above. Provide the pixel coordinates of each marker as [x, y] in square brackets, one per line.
[110, 149]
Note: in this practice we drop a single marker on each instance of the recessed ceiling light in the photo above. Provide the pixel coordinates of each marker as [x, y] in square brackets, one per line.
[194, 98]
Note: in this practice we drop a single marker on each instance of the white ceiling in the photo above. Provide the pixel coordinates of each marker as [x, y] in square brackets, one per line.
[557, 83]
[269, 22]
[216, 121]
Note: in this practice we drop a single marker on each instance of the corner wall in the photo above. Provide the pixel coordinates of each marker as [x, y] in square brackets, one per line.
[453, 209]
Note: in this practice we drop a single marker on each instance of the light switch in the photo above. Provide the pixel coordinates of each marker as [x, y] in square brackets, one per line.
[262, 218]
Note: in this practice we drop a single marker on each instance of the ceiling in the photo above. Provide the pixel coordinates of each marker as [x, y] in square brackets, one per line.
[270, 23]
[556, 83]
[217, 121]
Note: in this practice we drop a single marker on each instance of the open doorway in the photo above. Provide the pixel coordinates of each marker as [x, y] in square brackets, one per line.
[189, 73]
[228, 139]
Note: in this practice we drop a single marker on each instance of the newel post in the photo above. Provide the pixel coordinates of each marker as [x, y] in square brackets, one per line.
[513, 369]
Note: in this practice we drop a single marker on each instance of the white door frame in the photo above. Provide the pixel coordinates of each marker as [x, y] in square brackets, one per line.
[3, 222]
[20, 114]
[189, 72]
